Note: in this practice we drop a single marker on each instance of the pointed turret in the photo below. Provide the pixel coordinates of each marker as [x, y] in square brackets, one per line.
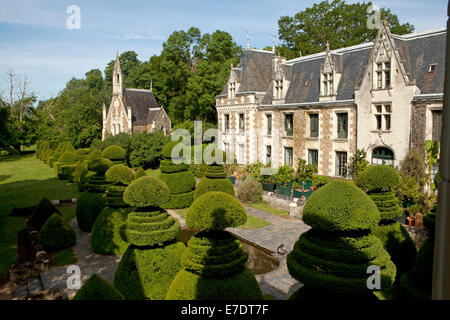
[117, 77]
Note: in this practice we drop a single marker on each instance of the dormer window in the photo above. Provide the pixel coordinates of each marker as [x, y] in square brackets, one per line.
[232, 89]
[432, 68]
[328, 84]
[383, 74]
[279, 89]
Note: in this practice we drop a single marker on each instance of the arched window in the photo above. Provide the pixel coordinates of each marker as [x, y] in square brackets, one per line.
[383, 156]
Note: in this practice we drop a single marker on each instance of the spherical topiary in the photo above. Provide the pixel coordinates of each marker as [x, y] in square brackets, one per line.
[119, 174]
[146, 192]
[56, 234]
[109, 231]
[114, 153]
[89, 206]
[332, 258]
[214, 180]
[340, 206]
[139, 173]
[378, 177]
[44, 210]
[215, 211]
[100, 165]
[153, 258]
[96, 288]
[96, 154]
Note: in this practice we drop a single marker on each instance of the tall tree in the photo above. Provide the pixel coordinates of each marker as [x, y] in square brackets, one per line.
[337, 22]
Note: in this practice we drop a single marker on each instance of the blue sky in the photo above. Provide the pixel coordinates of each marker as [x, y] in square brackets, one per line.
[34, 38]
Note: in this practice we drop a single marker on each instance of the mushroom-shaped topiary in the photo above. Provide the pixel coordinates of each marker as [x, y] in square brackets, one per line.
[214, 263]
[178, 178]
[153, 258]
[96, 154]
[56, 234]
[378, 182]
[332, 258]
[214, 180]
[96, 288]
[114, 153]
[215, 211]
[108, 233]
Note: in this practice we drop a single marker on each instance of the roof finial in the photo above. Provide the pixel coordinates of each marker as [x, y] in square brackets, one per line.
[248, 40]
[327, 45]
[151, 85]
[300, 53]
[273, 43]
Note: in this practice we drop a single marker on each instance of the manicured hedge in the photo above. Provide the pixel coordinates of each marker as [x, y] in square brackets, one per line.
[178, 201]
[334, 255]
[214, 262]
[378, 178]
[146, 192]
[215, 211]
[44, 210]
[178, 182]
[119, 174]
[388, 204]
[56, 234]
[114, 153]
[153, 258]
[214, 180]
[114, 196]
[96, 288]
[108, 233]
[89, 206]
[96, 183]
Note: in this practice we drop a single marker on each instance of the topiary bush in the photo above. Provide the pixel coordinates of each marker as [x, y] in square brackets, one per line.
[44, 210]
[215, 180]
[379, 181]
[250, 190]
[56, 234]
[114, 153]
[97, 182]
[96, 288]
[214, 263]
[332, 257]
[68, 160]
[153, 258]
[89, 206]
[108, 233]
[139, 173]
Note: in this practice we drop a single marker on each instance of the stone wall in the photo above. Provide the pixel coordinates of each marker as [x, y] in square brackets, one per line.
[418, 125]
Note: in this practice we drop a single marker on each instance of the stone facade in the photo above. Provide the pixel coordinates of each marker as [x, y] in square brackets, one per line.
[382, 97]
[132, 110]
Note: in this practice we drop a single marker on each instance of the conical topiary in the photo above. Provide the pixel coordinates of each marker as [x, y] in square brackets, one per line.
[56, 234]
[214, 262]
[114, 153]
[108, 232]
[332, 258]
[378, 181]
[214, 180]
[178, 178]
[417, 283]
[96, 288]
[153, 258]
[42, 212]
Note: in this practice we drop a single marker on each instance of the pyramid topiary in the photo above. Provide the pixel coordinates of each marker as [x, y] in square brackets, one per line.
[56, 234]
[214, 180]
[114, 153]
[378, 182]
[42, 212]
[139, 173]
[178, 178]
[108, 234]
[153, 258]
[417, 283]
[89, 206]
[96, 288]
[332, 258]
[214, 262]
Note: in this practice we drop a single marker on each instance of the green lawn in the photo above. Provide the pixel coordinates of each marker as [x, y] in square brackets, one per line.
[254, 223]
[24, 180]
[265, 207]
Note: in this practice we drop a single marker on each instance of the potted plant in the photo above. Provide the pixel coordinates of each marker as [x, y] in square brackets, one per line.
[284, 179]
[303, 177]
[268, 183]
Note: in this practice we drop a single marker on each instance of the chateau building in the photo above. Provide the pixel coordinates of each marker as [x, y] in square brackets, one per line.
[132, 110]
[383, 97]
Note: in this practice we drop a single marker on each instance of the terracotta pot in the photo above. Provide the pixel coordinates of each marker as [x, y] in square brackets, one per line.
[410, 221]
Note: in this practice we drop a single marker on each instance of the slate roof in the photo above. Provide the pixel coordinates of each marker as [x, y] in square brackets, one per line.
[140, 101]
[417, 52]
